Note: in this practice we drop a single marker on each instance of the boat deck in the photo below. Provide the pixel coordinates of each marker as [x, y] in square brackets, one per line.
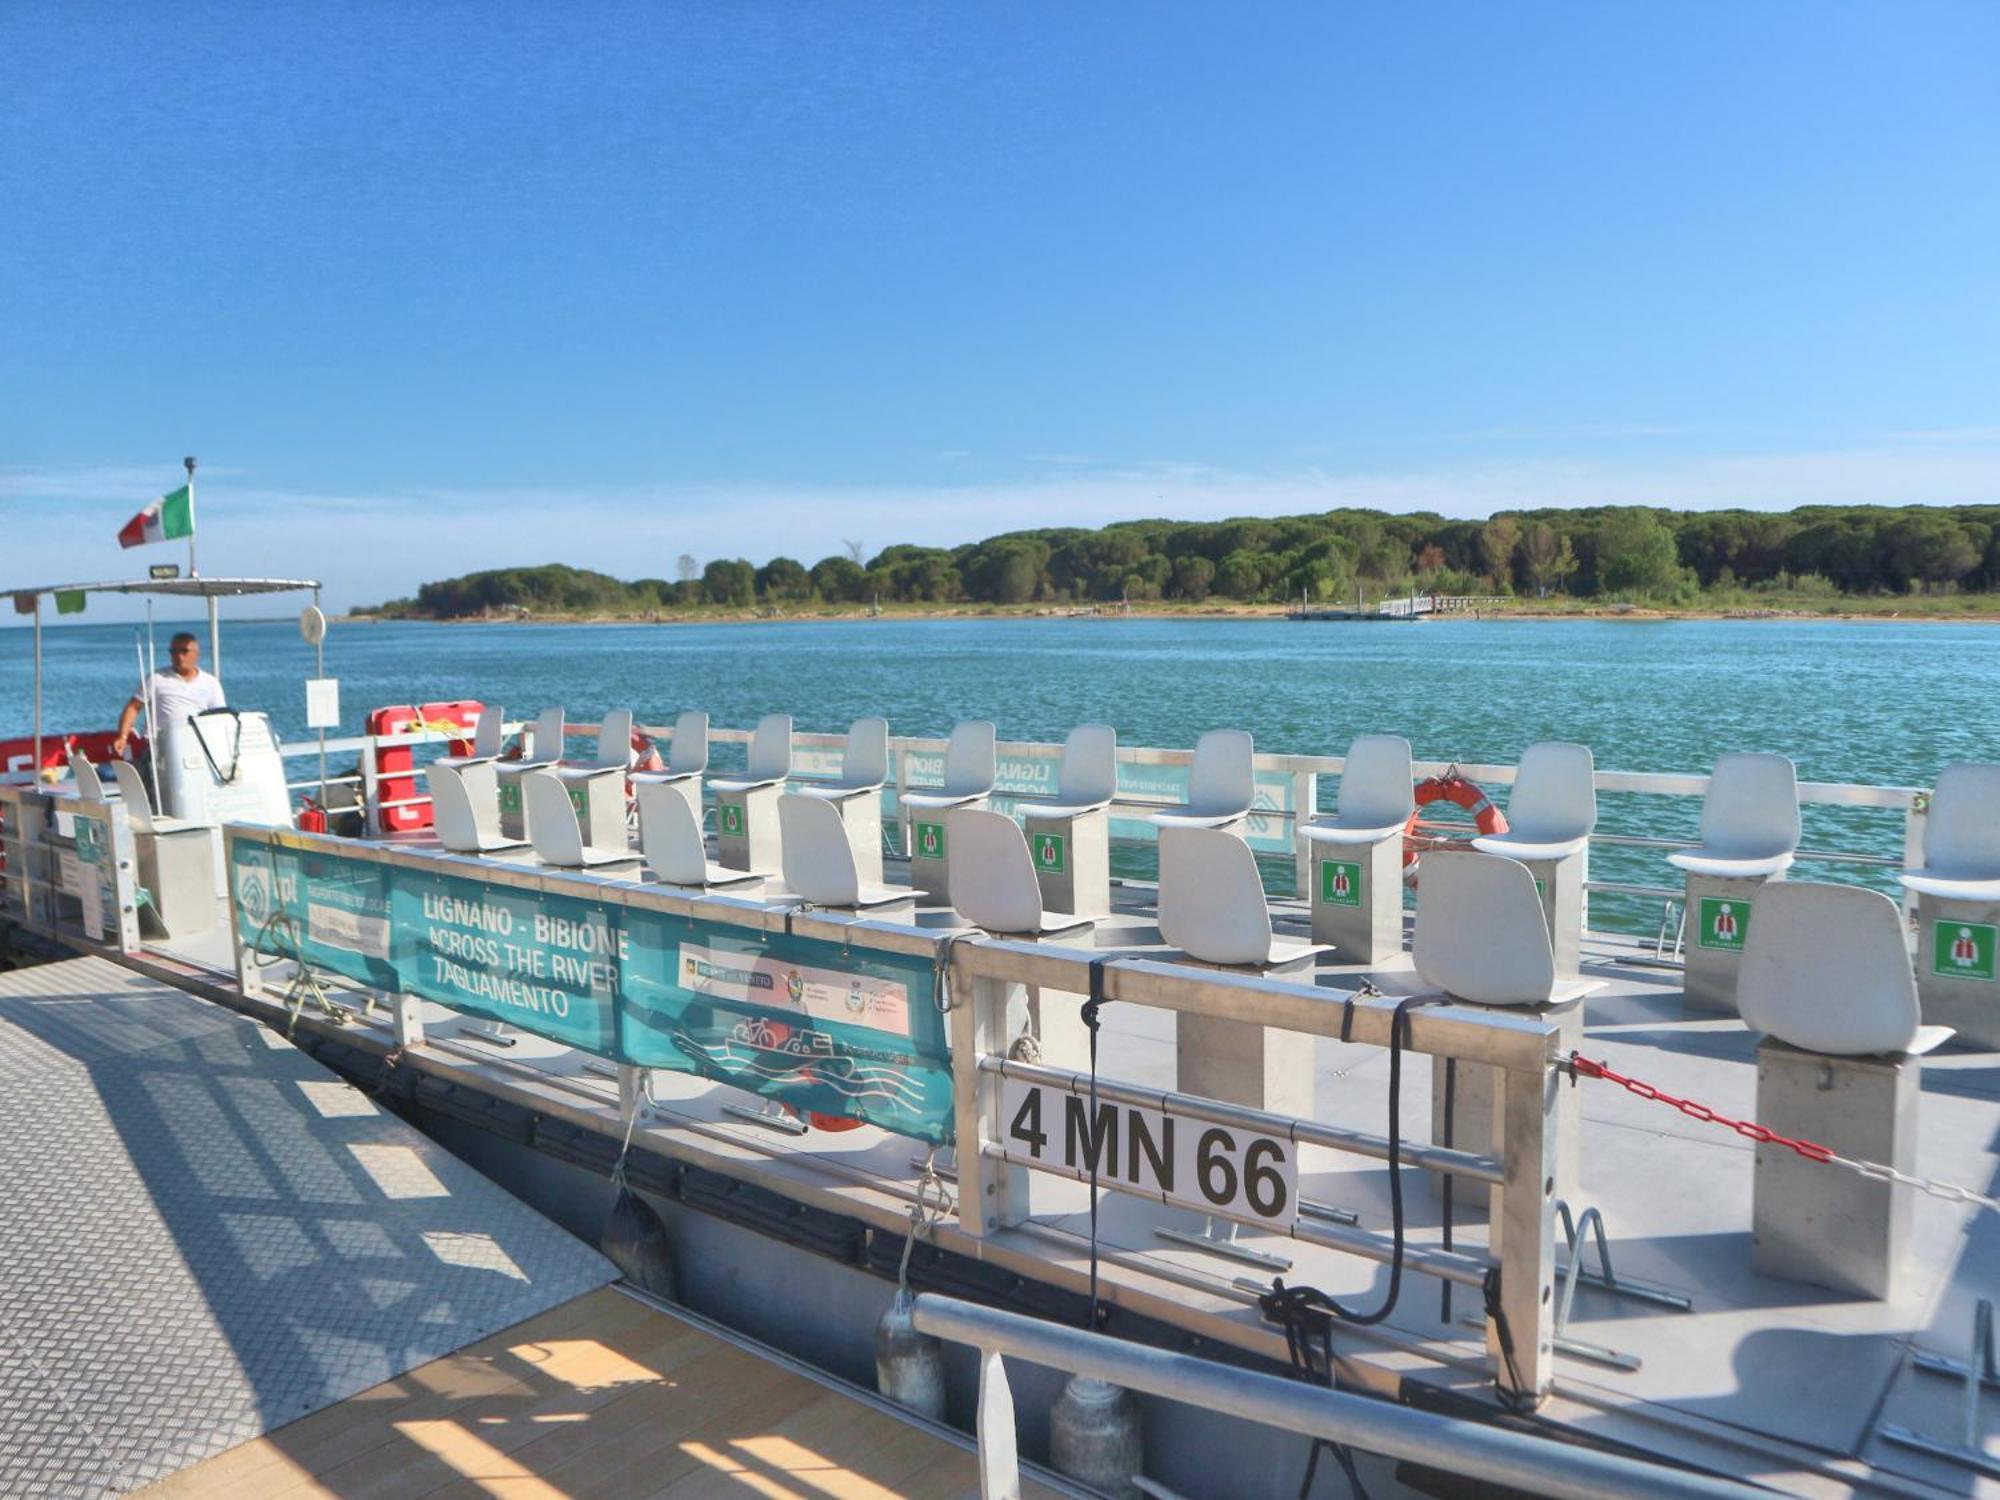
[205, 1235]
[607, 1395]
[1760, 1377]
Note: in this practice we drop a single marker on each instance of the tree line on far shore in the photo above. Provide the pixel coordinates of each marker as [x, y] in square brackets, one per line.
[1617, 553]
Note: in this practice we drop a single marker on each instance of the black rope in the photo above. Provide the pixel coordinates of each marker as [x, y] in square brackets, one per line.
[1450, 1109]
[1519, 1395]
[1306, 1313]
[1094, 1315]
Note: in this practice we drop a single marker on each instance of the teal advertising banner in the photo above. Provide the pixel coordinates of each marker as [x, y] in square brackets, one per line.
[824, 1028]
[338, 910]
[548, 964]
[821, 1027]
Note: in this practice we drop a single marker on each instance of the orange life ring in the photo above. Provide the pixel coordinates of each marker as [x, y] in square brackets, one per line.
[1453, 788]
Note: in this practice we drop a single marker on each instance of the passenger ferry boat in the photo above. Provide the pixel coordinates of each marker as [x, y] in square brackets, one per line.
[1344, 1130]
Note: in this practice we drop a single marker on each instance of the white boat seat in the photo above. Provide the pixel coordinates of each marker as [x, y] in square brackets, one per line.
[687, 755]
[89, 785]
[614, 749]
[818, 861]
[487, 739]
[1222, 783]
[1212, 904]
[1481, 936]
[543, 743]
[1961, 836]
[992, 878]
[670, 839]
[1087, 780]
[769, 762]
[556, 832]
[1376, 797]
[864, 764]
[970, 768]
[460, 826]
[1552, 807]
[1749, 820]
[1826, 968]
[139, 806]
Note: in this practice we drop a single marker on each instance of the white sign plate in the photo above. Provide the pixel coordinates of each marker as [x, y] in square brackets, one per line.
[1220, 1169]
[322, 703]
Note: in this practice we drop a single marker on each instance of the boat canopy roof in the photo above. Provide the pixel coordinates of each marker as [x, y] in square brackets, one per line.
[196, 587]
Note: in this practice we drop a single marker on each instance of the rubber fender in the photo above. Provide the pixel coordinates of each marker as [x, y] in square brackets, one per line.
[635, 1241]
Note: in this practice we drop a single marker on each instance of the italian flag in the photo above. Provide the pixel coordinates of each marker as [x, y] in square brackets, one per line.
[167, 518]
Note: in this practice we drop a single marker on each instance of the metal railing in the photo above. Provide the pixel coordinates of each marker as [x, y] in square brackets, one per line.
[1470, 1449]
[994, 1195]
[994, 1175]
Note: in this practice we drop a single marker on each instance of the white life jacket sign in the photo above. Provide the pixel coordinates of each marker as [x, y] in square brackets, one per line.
[1220, 1169]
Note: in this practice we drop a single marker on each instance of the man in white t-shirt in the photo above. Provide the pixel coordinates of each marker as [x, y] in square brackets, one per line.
[177, 691]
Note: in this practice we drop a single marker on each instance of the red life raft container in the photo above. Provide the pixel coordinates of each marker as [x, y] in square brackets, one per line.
[395, 765]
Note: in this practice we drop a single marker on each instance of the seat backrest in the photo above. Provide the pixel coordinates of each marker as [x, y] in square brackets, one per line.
[864, 760]
[817, 861]
[1222, 779]
[451, 807]
[770, 756]
[1377, 782]
[1554, 797]
[1752, 807]
[1211, 899]
[1089, 773]
[670, 836]
[488, 737]
[614, 738]
[546, 742]
[688, 755]
[1825, 968]
[970, 764]
[1481, 935]
[1962, 830]
[992, 875]
[89, 785]
[132, 788]
[552, 822]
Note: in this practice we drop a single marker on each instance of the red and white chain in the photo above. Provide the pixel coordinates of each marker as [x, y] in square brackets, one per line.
[1950, 1192]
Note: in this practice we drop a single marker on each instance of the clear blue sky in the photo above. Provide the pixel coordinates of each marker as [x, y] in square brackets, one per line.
[432, 287]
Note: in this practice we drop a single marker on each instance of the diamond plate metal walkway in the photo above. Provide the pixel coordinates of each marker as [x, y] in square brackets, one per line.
[204, 1235]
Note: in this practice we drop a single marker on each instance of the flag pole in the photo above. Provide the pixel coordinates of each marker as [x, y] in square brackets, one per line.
[192, 571]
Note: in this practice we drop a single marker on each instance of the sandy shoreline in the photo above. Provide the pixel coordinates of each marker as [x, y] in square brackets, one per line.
[1234, 612]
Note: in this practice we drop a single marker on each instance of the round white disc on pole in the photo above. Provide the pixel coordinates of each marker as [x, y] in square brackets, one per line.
[312, 625]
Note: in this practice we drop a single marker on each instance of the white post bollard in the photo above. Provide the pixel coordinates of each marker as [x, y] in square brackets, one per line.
[1560, 882]
[1357, 898]
[600, 809]
[507, 788]
[929, 870]
[1817, 1224]
[1718, 914]
[1958, 945]
[1072, 860]
[746, 829]
[861, 816]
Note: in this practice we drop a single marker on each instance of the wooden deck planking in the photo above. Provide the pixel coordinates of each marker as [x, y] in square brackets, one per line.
[601, 1397]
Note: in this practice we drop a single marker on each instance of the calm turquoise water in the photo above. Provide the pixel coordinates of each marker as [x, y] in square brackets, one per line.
[1886, 703]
